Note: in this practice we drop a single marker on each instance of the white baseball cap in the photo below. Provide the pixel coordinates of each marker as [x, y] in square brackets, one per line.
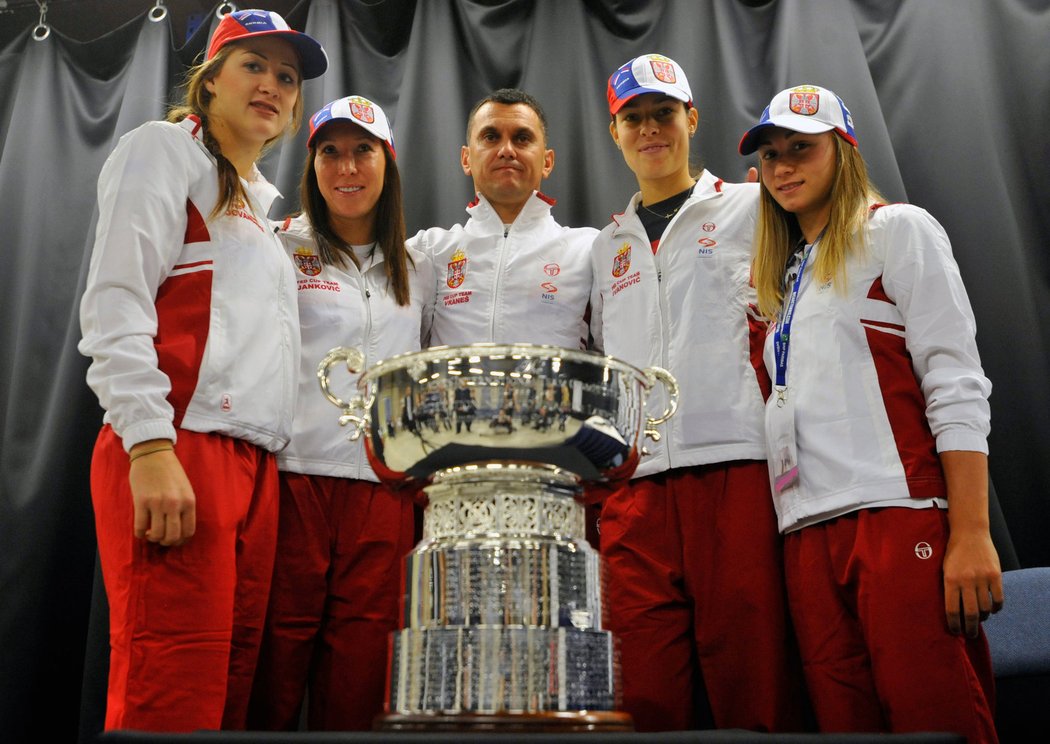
[803, 108]
[358, 110]
[649, 73]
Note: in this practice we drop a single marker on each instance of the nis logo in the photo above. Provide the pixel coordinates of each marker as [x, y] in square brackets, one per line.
[551, 269]
[707, 244]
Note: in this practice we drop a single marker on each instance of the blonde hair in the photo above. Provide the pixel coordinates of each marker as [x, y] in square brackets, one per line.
[777, 234]
[195, 102]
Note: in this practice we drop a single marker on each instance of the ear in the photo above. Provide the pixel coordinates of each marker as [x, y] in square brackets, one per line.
[209, 85]
[548, 162]
[613, 133]
[464, 159]
[694, 117]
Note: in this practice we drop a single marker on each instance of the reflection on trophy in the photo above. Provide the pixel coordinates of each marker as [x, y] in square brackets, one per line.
[503, 616]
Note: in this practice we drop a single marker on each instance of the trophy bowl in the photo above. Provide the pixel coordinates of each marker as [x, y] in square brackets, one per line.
[449, 406]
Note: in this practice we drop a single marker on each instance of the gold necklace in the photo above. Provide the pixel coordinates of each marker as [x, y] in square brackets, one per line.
[674, 211]
[666, 216]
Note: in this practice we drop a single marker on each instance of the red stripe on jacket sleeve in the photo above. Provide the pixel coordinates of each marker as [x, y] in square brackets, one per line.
[906, 411]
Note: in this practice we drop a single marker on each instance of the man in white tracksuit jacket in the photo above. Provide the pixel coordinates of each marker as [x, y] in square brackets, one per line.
[511, 274]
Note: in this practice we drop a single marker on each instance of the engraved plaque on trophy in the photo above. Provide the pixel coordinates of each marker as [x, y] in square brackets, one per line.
[503, 626]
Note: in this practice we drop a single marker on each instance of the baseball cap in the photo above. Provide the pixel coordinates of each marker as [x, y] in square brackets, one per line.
[358, 110]
[243, 24]
[803, 108]
[649, 73]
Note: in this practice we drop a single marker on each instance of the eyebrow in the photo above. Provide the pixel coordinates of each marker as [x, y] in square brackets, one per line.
[260, 54]
[789, 133]
[488, 128]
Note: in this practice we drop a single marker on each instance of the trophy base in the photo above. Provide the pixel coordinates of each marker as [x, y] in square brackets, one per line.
[524, 723]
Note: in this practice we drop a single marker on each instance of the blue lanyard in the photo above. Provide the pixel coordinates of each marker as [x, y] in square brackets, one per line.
[782, 335]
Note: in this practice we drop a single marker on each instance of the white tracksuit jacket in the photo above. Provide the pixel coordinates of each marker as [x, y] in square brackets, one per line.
[190, 322]
[688, 309]
[882, 376]
[344, 306]
[529, 283]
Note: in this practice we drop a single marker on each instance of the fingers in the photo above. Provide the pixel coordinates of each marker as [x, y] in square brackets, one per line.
[141, 521]
[997, 594]
[163, 500]
[953, 610]
[967, 608]
[971, 614]
[188, 525]
[171, 524]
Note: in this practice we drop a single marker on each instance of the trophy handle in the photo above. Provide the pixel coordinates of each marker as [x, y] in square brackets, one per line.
[355, 361]
[654, 375]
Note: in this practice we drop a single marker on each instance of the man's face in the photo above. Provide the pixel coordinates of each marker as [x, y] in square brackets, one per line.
[507, 155]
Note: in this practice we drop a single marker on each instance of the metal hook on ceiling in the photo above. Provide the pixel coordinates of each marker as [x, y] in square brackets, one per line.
[158, 12]
[41, 31]
[225, 9]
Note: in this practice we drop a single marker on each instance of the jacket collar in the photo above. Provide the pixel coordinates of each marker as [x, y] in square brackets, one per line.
[708, 186]
[485, 220]
[261, 190]
[299, 227]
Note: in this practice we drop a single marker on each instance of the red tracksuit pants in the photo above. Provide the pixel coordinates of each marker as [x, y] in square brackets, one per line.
[185, 622]
[866, 594]
[335, 600]
[697, 600]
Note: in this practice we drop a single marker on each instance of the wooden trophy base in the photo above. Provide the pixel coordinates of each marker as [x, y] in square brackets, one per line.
[523, 723]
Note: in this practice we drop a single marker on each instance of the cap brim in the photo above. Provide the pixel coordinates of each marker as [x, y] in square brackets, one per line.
[749, 142]
[312, 55]
[623, 99]
[313, 60]
[366, 127]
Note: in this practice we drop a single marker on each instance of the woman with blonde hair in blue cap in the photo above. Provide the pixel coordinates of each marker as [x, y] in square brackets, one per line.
[189, 316]
[696, 593]
[342, 535]
[877, 435]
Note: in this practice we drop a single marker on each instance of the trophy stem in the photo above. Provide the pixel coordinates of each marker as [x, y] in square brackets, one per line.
[503, 626]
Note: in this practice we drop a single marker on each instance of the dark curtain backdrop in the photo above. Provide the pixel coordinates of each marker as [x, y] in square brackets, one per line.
[951, 100]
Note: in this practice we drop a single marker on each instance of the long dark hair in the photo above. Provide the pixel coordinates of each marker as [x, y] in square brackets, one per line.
[195, 102]
[390, 225]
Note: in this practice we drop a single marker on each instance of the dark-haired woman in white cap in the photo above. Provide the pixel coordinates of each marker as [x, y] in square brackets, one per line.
[696, 592]
[877, 434]
[342, 535]
[189, 316]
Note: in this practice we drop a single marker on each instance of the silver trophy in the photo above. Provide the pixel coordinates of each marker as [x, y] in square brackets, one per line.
[503, 614]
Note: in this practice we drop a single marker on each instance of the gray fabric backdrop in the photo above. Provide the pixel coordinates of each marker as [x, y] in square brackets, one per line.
[950, 97]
